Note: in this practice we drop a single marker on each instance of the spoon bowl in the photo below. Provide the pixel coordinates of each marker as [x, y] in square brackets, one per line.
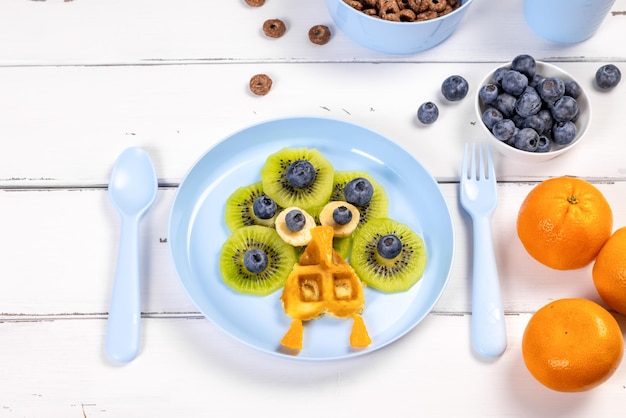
[133, 184]
[132, 189]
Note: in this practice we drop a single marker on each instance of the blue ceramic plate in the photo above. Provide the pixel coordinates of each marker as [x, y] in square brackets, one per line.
[197, 231]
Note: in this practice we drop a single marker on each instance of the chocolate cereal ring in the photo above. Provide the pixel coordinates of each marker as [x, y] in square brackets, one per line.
[427, 15]
[319, 34]
[388, 7]
[255, 3]
[437, 6]
[260, 84]
[355, 4]
[392, 17]
[274, 28]
[407, 15]
[419, 6]
[447, 10]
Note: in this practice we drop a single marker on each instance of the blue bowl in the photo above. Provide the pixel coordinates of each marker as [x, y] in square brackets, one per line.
[394, 37]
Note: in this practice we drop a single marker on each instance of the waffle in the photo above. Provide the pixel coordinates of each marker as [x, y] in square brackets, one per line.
[322, 283]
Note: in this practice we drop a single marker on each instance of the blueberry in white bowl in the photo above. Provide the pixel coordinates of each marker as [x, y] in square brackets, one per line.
[544, 110]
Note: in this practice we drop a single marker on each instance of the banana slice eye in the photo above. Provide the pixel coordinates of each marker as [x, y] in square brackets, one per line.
[341, 216]
[294, 226]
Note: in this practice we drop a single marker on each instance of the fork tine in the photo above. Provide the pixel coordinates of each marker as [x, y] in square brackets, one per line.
[491, 170]
[473, 163]
[481, 163]
[464, 163]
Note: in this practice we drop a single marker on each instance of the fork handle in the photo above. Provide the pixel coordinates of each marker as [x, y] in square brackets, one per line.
[488, 327]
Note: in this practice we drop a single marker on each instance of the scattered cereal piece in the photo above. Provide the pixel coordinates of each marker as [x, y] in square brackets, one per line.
[255, 3]
[319, 34]
[260, 84]
[274, 28]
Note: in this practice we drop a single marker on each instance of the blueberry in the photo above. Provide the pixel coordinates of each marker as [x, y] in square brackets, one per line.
[531, 89]
[454, 88]
[518, 120]
[505, 103]
[342, 215]
[295, 220]
[608, 76]
[551, 89]
[525, 64]
[358, 191]
[491, 116]
[572, 89]
[264, 207]
[514, 82]
[498, 75]
[563, 132]
[300, 174]
[546, 116]
[488, 93]
[564, 109]
[544, 144]
[529, 103]
[427, 113]
[535, 122]
[504, 130]
[526, 139]
[255, 260]
[389, 246]
[536, 80]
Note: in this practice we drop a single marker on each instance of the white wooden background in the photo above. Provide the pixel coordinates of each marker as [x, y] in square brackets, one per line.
[82, 80]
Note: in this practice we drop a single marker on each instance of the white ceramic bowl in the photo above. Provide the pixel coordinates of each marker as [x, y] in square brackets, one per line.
[394, 37]
[582, 122]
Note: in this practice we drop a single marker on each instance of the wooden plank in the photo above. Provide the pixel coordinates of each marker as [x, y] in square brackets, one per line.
[72, 122]
[188, 368]
[59, 249]
[57, 32]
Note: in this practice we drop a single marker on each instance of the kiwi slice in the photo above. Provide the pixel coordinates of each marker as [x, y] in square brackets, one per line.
[248, 205]
[255, 260]
[342, 246]
[388, 255]
[376, 207]
[300, 177]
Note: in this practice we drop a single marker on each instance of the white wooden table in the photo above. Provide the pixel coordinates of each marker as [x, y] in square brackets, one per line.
[82, 80]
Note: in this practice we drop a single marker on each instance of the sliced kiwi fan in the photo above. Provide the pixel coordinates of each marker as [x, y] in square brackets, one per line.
[396, 274]
[314, 186]
[261, 242]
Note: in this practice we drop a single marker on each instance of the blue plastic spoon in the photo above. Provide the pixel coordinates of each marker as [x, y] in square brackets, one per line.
[132, 189]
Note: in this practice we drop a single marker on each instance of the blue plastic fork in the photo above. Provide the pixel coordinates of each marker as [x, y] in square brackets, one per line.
[479, 198]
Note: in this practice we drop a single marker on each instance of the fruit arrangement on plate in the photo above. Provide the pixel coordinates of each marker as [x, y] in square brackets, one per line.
[321, 234]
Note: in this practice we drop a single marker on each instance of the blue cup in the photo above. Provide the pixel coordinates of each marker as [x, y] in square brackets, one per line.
[566, 21]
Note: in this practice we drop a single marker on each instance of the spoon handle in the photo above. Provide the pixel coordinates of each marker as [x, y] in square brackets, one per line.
[124, 322]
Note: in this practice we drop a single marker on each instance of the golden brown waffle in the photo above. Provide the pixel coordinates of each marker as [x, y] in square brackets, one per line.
[322, 283]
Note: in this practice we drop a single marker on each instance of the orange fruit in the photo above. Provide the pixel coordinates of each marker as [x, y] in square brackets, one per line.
[609, 271]
[572, 345]
[563, 222]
